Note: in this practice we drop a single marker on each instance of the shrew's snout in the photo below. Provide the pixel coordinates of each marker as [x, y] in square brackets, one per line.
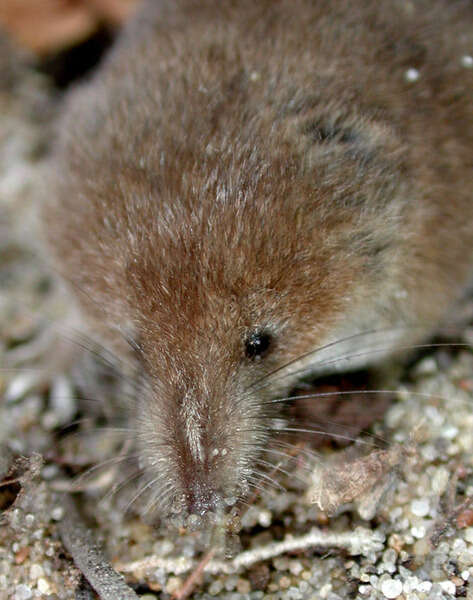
[202, 485]
[201, 498]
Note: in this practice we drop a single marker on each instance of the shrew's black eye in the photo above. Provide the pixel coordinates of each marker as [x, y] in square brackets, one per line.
[257, 344]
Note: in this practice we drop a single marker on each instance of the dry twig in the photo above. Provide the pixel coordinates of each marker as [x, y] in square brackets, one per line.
[89, 558]
[357, 541]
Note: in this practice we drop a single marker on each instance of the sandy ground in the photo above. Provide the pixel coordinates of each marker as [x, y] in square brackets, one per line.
[402, 525]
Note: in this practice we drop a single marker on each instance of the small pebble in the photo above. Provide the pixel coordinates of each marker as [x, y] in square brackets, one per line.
[449, 432]
[465, 575]
[325, 590]
[17, 446]
[243, 586]
[264, 518]
[215, 587]
[281, 563]
[389, 555]
[57, 513]
[427, 366]
[23, 592]
[259, 576]
[420, 508]
[21, 555]
[440, 480]
[230, 583]
[465, 559]
[418, 532]
[424, 587]
[468, 534]
[284, 582]
[453, 449]
[29, 520]
[295, 568]
[448, 586]
[44, 586]
[433, 414]
[395, 415]
[429, 453]
[391, 588]
[459, 546]
[173, 584]
[163, 547]
[49, 420]
[304, 587]
[20, 386]
[467, 61]
[410, 584]
[62, 400]
[49, 472]
[36, 571]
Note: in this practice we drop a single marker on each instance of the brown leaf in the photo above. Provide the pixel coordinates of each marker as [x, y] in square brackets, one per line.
[47, 26]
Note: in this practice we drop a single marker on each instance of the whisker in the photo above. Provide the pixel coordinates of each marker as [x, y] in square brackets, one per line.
[141, 491]
[278, 467]
[378, 440]
[258, 489]
[332, 422]
[316, 395]
[163, 492]
[137, 385]
[118, 431]
[109, 461]
[269, 380]
[120, 485]
[243, 502]
[343, 427]
[49, 266]
[275, 483]
[22, 369]
[288, 457]
[261, 487]
[76, 422]
[326, 347]
[79, 338]
[395, 349]
[324, 433]
[86, 340]
[308, 452]
[256, 428]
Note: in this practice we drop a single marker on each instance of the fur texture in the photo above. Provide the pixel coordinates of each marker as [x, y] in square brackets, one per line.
[239, 167]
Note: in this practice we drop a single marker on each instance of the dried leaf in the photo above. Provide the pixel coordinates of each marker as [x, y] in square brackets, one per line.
[47, 26]
[363, 479]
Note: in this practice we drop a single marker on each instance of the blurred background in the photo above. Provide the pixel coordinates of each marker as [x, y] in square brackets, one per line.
[64, 37]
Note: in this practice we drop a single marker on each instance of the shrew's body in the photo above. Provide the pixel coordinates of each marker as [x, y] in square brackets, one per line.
[244, 182]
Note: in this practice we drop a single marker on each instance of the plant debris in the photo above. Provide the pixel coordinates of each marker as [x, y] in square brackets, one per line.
[89, 558]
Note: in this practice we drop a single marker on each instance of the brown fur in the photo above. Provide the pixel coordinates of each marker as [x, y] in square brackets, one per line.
[241, 165]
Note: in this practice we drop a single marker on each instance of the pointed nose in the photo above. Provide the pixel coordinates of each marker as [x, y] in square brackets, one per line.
[201, 499]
